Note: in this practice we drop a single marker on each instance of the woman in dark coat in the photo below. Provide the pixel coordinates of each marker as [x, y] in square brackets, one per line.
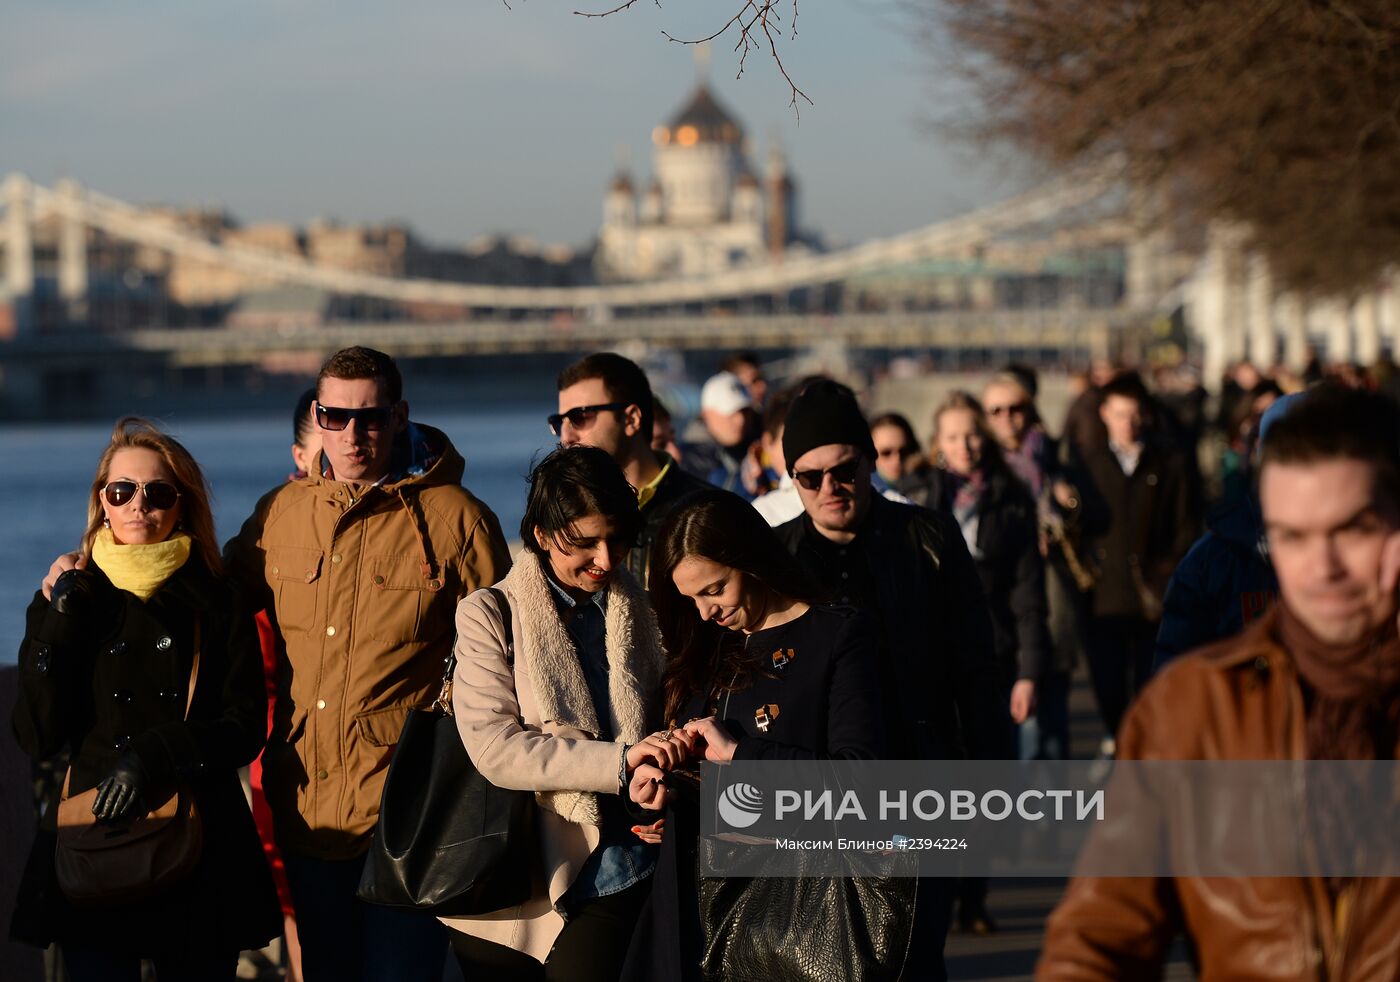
[105, 672]
[757, 671]
[998, 518]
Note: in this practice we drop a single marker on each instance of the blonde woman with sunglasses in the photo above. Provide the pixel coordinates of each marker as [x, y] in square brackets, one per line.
[143, 670]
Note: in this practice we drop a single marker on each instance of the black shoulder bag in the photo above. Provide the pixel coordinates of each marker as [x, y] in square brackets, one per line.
[448, 841]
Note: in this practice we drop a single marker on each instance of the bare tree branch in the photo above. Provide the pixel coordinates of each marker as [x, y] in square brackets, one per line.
[1282, 115]
[758, 23]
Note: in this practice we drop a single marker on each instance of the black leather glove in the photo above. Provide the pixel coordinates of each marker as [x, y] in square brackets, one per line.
[120, 794]
[73, 591]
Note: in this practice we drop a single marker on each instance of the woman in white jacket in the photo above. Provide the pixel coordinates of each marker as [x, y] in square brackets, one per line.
[569, 716]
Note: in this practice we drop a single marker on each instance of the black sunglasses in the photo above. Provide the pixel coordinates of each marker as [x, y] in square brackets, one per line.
[1020, 409]
[371, 418]
[841, 474]
[160, 495]
[582, 417]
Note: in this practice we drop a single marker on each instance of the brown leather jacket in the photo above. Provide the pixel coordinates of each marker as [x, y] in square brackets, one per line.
[1236, 700]
[363, 591]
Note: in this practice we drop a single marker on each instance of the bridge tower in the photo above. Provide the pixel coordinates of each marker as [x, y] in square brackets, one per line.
[72, 244]
[19, 250]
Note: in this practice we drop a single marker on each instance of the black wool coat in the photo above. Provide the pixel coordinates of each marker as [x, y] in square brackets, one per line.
[939, 662]
[113, 677]
[1010, 567]
[1150, 523]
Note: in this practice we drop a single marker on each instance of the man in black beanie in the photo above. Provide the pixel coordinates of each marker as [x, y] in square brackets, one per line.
[910, 568]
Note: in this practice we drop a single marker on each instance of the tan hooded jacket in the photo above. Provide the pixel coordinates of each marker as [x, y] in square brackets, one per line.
[363, 593]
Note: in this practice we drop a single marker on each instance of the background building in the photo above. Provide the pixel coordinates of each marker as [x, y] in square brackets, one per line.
[705, 210]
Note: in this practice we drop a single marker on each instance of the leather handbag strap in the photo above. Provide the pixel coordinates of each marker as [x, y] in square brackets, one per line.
[194, 670]
[444, 697]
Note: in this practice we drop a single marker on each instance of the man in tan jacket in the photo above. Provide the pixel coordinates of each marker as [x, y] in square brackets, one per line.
[360, 567]
[1317, 678]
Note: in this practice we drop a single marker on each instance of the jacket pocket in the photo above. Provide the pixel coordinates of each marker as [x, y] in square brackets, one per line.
[399, 598]
[377, 732]
[294, 574]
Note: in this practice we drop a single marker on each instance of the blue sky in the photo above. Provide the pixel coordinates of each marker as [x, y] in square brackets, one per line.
[469, 117]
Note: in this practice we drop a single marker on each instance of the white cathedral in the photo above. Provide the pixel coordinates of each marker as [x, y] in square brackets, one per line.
[705, 210]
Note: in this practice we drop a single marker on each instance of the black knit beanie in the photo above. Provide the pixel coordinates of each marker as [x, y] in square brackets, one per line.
[824, 412]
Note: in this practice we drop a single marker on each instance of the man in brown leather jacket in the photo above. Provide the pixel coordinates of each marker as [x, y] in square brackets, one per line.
[1317, 678]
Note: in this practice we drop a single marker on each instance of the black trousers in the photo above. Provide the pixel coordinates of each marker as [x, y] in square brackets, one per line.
[591, 948]
[1120, 661]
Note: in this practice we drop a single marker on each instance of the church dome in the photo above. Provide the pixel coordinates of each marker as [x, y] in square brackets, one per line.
[701, 120]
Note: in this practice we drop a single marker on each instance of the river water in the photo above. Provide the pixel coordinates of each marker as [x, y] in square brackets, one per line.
[48, 469]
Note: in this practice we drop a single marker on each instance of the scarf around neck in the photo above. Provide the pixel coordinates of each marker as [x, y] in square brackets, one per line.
[1352, 689]
[140, 569]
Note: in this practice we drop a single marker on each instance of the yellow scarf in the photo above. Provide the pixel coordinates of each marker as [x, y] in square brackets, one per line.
[139, 569]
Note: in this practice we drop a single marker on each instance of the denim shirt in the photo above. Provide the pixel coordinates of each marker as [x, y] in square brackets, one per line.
[621, 859]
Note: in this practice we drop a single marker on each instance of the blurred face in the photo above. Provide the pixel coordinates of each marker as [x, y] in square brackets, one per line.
[610, 430]
[728, 429]
[772, 444]
[721, 594]
[1008, 414]
[839, 503]
[1122, 417]
[959, 441]
[135, 522]
[588, 566]
[752, 377]
[663, 433]
[304, 453]
[1327, 535]
[891, 452]
[362, 451]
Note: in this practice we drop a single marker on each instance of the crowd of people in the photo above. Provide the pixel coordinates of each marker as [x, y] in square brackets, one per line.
[795, 579]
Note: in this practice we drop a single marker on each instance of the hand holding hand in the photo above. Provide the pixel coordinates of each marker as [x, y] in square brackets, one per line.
[667, 749]
[61, 565]
[650, 834]
[647, 789]
[120, 794]
[719, 746]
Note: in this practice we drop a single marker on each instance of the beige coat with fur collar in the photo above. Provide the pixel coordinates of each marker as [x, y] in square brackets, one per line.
[535, 728]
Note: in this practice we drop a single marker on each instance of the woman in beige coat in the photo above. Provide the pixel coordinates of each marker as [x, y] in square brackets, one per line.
[563, 703]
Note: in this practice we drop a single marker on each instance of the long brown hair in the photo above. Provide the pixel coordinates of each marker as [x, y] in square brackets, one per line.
[724, 529]
[196, 517]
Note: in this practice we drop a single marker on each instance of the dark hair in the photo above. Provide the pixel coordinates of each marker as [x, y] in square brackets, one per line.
[573, 483]
[1333, 422]
[1128, 385]
[1025, 376]
[725, 529]
[358, 363]
[659, 411]
[911, 442]
[301, 417]
[623, 379]
[738, 360]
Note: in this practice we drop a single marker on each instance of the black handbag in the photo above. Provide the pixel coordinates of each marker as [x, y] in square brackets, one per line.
[448, 840]
[805, 928]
